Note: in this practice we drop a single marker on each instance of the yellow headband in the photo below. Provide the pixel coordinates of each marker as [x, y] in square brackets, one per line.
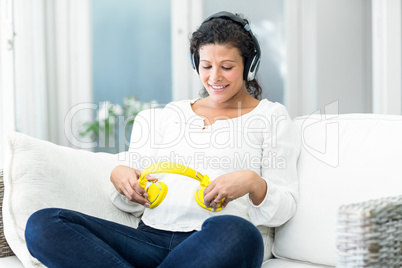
[157, 191]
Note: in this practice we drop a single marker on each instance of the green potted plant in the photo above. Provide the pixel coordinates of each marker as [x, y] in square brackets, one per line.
[114, 121]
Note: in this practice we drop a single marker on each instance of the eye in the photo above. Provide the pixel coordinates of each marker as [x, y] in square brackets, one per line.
[226, 68]
[206, 67]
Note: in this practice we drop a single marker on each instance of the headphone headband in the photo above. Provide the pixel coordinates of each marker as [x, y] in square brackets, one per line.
[157, 191]
[252, 64]
[170, 167]
[228, 15]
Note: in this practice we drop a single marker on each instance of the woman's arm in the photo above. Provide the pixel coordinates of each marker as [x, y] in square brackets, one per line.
[124, 191]
[273, 195]
[125, 181]
[233, 185]
[281, 149]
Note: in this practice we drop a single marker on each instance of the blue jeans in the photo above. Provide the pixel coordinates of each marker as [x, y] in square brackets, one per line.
[65, 238]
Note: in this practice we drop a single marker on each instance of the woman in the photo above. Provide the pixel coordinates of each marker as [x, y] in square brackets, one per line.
[248, 147]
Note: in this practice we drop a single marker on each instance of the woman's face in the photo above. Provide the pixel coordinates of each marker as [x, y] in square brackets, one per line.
[221, 72]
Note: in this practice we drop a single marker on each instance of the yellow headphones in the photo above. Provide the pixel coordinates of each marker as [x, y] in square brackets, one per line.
[157, 190]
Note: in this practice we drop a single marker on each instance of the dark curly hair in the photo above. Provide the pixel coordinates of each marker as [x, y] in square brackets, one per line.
[224, 31]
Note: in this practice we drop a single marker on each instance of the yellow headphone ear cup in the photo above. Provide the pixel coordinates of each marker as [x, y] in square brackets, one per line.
[156, 193]
[199, 197]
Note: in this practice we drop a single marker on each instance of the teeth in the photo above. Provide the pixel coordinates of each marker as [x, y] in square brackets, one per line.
[218, 87]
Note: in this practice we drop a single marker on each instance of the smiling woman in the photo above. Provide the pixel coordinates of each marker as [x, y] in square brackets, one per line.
[221, 71]
[268, 24]
[235, 200]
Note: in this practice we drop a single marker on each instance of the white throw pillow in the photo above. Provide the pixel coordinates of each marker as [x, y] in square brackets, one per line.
[39, 174]
[344, 159]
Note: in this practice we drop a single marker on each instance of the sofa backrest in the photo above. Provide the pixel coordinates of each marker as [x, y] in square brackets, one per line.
[344, 159]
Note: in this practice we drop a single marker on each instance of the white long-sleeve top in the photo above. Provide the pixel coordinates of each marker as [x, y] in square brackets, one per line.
[264, 140]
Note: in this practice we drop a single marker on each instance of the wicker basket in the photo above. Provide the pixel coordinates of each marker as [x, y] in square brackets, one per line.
[370, 234]
[5, 249]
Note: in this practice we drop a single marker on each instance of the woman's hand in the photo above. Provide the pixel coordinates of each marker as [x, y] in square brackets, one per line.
[125, 180]
[234, 185]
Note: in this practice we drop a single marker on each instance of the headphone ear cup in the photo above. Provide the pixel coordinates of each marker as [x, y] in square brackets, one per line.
[199, 197]
[195, 61]
[156, 193]
[251, 67]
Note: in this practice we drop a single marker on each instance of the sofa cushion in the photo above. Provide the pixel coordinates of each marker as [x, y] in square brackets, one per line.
[344, 159]
[40, 174]
[279, 263]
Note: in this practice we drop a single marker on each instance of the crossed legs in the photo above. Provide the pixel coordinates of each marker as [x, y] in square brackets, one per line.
[65, 238]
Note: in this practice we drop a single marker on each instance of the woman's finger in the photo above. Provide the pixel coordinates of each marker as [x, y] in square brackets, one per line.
[149, 178]
[225, 202]
[136, 194]
[219, 200]
[209, 194]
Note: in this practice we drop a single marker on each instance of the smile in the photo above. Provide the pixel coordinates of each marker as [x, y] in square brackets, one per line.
[218, 88]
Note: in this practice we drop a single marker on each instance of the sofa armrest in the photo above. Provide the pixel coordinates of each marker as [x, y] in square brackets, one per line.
[369, 234]
[5, 249]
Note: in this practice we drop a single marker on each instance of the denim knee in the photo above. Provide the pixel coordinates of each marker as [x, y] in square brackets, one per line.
[36, 228]
[238, 226]
[238, 233]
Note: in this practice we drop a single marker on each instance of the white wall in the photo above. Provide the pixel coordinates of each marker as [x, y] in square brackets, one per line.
[329, 55]
[344, 54]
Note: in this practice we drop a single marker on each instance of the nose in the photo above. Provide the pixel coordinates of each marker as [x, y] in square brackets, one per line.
[215, 75]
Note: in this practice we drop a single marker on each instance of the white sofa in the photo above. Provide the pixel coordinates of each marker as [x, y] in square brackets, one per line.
[346, 160]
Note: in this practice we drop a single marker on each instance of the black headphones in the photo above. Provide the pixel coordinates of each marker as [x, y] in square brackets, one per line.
[253, 62]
